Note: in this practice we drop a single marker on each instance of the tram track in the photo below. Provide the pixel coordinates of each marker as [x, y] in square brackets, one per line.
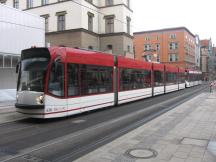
[85, 140]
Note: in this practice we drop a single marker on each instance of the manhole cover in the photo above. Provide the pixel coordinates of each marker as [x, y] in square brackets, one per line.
[141, 153]
[192, 141]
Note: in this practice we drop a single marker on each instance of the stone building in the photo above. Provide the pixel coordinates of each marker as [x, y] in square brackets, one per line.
[175, 46]
[103, 25]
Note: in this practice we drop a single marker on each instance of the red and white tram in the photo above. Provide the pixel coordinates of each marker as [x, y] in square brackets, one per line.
[193, 78]
[60, 81]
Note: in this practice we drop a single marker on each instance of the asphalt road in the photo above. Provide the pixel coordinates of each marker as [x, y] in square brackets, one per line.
[66, 139]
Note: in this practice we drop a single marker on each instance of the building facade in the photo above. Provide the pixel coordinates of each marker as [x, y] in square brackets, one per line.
[103, 25]
[174, 46]
[206, 50]
[197, 52]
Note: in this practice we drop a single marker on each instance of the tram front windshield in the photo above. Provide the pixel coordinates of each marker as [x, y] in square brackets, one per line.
[32, 74]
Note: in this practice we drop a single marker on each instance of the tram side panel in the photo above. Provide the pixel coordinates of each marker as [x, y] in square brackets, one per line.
[171, 79]
[181, 78]
[134, 84]
[134, 80]
[158, 79]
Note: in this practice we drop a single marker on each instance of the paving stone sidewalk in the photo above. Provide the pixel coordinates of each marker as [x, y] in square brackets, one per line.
[184, 134]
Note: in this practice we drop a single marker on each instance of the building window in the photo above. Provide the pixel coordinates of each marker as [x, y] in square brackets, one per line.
[172, 36]
[157, 47]
[158, 58]
[173, 46]
[109, 47]
[46, 17]
[16, 4]
[109, 2]
[29, 3]
[147, 38]
[147, 47]
[128, 48]
[148, 57]
[90, 21]
[157, 38]
[7, 61]
[90, 47]
[128, 24]
[44, 2]
[173, 57]
[109, 21]
[15, 60]
[61, 20]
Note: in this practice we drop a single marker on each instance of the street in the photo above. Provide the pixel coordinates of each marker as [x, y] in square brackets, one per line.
[67, 139]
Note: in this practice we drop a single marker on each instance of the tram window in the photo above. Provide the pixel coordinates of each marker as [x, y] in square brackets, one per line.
[158, 78]
[73, 79]
[96, 79]
[134, 79]
[171, 78]
[182, 77]
[56, 80]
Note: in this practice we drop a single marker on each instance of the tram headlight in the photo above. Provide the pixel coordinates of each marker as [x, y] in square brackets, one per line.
[40, 99]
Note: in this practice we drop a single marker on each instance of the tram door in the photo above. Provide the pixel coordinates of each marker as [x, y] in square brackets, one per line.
[73, 89]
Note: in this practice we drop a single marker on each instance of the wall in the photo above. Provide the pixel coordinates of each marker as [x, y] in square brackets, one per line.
[73, 16]
[20, 29]
[8, 78]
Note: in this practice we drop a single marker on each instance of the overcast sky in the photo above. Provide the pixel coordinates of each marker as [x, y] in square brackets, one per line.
[196, 15]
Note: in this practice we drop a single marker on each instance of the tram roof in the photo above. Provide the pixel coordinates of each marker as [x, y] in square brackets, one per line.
[72, 55]
[171, 68]
[181, 70]
[131, 63]
[158, 67]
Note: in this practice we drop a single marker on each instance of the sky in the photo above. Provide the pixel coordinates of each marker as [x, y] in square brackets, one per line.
[199, 16]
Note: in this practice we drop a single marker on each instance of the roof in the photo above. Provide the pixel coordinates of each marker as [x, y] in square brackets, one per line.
[165, 30]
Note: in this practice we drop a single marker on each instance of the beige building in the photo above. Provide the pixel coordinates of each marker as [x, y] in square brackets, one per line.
[205, 44]
[103, 25]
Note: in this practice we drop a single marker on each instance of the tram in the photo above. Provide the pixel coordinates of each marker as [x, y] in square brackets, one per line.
[193, 78]
[59, 81]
